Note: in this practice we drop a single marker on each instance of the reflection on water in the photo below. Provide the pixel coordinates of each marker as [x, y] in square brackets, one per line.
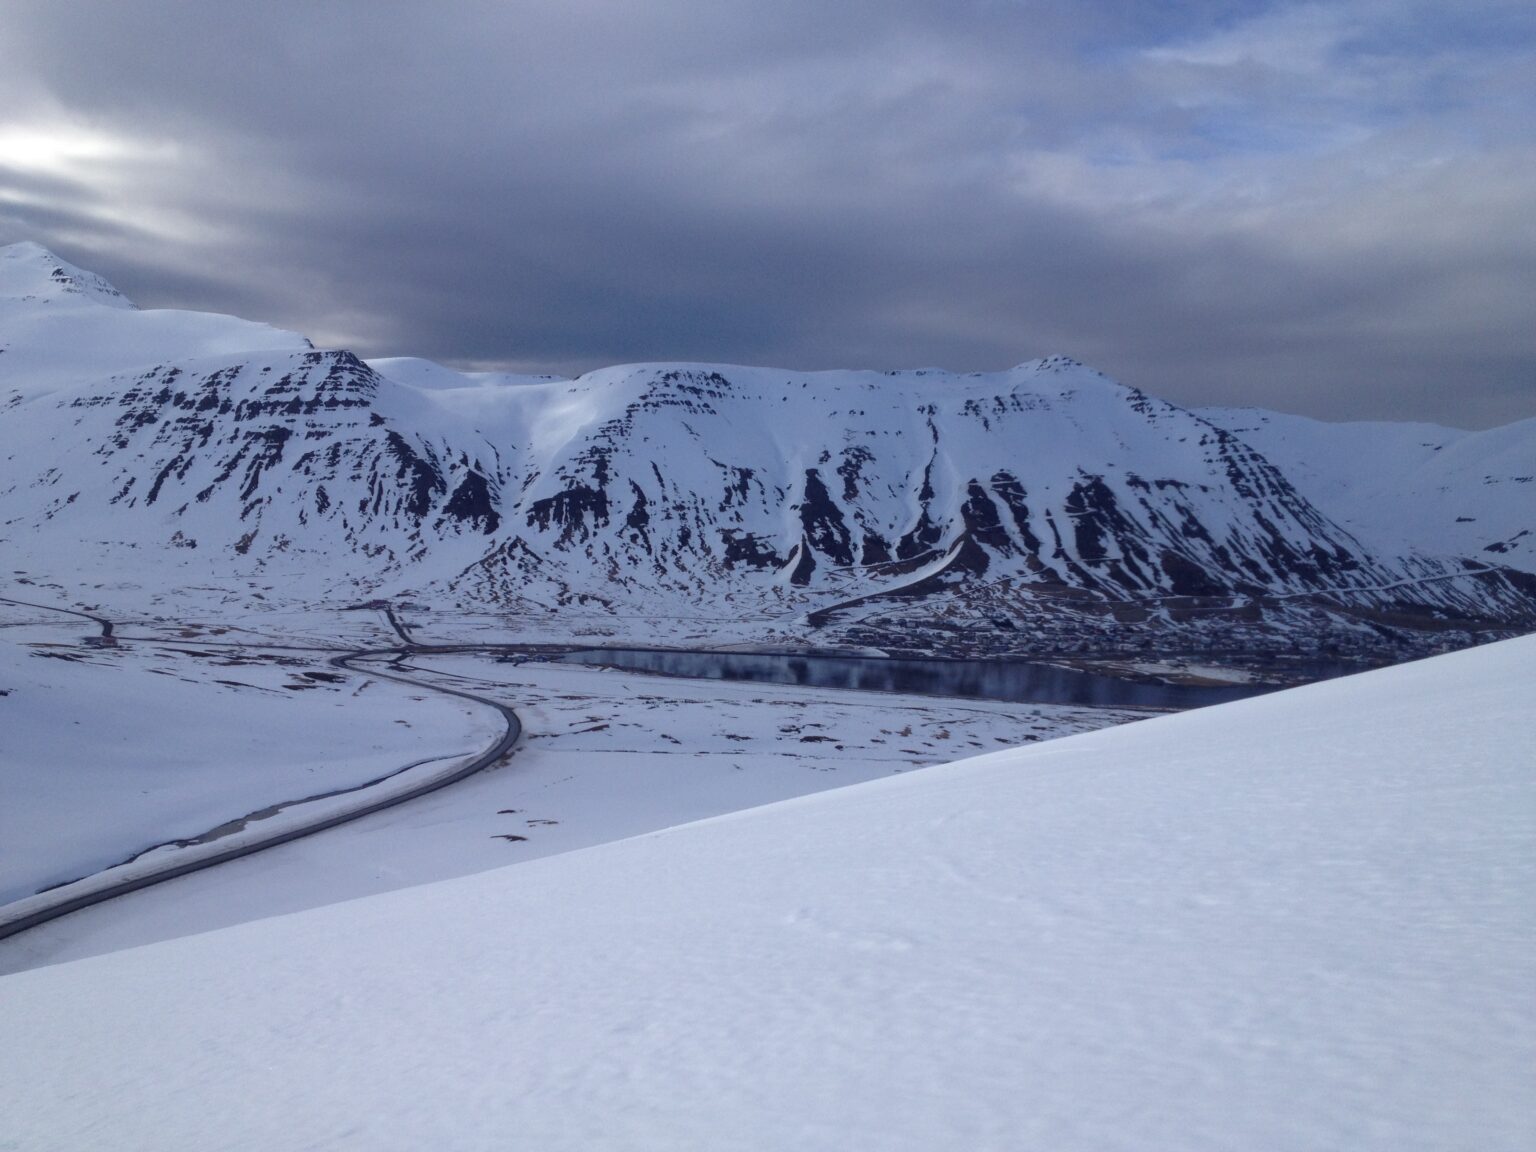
[982, 679]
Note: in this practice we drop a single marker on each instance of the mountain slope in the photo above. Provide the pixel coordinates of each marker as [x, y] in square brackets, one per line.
[1294, 923]
[61, 325]
[1418, 486]
[1042, 508]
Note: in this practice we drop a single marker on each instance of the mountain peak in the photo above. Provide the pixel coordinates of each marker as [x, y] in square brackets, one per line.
[28, 271]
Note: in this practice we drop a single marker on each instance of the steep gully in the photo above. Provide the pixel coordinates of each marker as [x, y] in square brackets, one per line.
[65, 903]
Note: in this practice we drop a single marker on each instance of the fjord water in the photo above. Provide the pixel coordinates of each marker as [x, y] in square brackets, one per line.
[1014, 681]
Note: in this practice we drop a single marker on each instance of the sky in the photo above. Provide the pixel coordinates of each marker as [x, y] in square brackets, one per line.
[1326, 208]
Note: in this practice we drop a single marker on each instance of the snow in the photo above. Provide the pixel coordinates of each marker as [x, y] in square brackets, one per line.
[1303, 922]
[193, 461]
[30, 271]
[1299, 922]
[62, 326]
[604, 755]
[1418, 486]
[106, 752]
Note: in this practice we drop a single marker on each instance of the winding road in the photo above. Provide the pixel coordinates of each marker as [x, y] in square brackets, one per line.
[101, 622]
[66, 903]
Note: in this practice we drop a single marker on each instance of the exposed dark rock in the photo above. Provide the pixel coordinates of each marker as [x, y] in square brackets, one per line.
[822, 521]
[266, 452]
[423, 481]
[982, 522]
[804, 564]
[1187, 578]
[639, 517]
[874, 549]
[471, 504]
[1011, 492]
[570, 511]
[925, 534]
[738, 487]
[850, 470]
[752, 551]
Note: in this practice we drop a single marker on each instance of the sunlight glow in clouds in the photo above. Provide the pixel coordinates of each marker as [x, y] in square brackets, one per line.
[105, 189]
[1221, 201]
[73, 152]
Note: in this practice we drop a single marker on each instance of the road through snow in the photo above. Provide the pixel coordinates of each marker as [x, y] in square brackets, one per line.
[142, 871]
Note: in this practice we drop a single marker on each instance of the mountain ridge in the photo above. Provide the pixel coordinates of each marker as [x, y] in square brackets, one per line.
[1045, 507]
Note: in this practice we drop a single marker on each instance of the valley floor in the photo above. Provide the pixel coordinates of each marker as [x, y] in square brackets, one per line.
[186, 731]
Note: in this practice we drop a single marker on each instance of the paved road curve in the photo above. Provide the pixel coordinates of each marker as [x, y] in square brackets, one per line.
[365, 806]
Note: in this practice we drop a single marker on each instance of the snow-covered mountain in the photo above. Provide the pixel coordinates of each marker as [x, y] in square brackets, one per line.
[1042, 507]
[1408, 486]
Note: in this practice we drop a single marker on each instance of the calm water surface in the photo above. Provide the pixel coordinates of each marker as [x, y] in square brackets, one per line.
[980, 679]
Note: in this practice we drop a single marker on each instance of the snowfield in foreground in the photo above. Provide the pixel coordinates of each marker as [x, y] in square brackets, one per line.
[1305, 921]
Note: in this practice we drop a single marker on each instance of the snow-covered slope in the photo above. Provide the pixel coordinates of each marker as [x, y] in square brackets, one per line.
[1044, 486]
[106, 752]
[1042, 508]
[1299, 922]
[604, 756]
[1417, 486]
[61, 325]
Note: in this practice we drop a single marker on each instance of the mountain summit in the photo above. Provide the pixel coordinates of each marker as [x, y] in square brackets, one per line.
[28, 271]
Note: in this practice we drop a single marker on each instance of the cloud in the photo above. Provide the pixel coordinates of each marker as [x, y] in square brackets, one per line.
[1320, 207]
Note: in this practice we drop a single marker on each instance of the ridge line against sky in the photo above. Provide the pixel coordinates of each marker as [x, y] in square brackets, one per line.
[1317, 207]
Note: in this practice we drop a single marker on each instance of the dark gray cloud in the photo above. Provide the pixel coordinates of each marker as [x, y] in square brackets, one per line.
[1318, 207]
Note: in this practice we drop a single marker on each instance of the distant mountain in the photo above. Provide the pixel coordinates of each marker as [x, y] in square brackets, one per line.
[1045, 508]
[1408, 486]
